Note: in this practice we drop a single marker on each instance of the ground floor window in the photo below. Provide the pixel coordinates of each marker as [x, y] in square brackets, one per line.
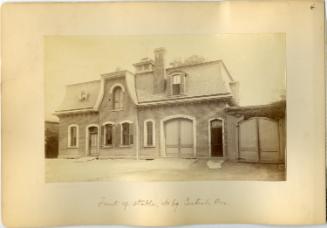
[72, 135]
[127, 133]
[149, 133]
[108, 134]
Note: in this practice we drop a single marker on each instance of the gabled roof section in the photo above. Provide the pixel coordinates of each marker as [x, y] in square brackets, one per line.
[80, 97]
[207, 79]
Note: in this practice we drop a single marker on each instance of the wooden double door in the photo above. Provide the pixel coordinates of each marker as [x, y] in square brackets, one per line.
[179, 138]
[259, 140]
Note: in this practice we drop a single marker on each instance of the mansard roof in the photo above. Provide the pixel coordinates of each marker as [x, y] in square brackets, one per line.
[208, 80]
[80, 97]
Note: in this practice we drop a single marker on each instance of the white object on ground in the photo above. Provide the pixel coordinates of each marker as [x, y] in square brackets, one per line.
[214, 164]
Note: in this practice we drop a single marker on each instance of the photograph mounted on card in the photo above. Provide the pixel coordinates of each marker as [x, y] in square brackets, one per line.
[163, 113]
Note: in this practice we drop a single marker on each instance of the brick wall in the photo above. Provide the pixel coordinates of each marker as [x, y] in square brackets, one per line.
[106, 113]
[82, 120]
[202, 112]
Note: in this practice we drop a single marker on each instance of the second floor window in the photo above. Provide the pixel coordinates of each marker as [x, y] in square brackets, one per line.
[117, 99]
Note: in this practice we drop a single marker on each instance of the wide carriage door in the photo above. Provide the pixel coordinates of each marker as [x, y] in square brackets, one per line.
[172, 138]
[186, 138]
[248, 140]
[269, 140]
[259, 140]
[179, 138]
[93, 141]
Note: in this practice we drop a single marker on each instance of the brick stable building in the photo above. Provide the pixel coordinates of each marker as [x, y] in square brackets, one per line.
[155, 112]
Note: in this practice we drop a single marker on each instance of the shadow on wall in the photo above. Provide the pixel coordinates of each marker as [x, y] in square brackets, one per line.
[51, 139]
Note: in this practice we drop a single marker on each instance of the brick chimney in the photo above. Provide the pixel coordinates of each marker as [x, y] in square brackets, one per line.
[159, 70]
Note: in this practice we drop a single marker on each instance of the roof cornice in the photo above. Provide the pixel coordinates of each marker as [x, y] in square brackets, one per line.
[185, 100]
[75, 111]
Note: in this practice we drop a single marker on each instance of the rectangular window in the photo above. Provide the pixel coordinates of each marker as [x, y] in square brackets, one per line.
[127, 134]
[149, 130]
[108, 135]
[73, 136]
[176, 89]
[176, 79]
[176, 84]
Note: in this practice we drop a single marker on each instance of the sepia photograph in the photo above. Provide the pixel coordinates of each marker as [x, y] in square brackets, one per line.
[165, 108]
[163, 113]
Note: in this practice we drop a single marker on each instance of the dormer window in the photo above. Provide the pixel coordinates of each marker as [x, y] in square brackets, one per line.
[177, 83]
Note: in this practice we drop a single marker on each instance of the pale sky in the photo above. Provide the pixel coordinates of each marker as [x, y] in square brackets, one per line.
[257, 61]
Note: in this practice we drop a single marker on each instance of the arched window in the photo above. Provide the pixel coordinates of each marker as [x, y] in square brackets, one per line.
[117, 101]
[108, 134]
[149, 133]
[73, 135]
[127, 133]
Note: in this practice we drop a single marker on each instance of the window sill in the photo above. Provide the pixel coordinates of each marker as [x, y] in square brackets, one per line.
[152, 146]
[177, 95]
[72, 147]
[125, 146]
[107, 146]
[117, 110]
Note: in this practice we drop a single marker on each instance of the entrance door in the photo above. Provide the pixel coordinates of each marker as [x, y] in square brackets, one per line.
[179, 138]
[216, 131]
[93, 141]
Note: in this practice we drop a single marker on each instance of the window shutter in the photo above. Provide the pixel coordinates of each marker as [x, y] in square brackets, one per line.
[110, 101]
[102, 136]
[117, 133]
[131, 133]
[123, 100]
[182, 88]
[168, 86]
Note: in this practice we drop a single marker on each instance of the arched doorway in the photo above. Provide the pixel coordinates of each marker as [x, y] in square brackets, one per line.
[179, 137]
[216, 138]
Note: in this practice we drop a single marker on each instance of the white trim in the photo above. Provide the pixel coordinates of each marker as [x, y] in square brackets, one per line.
[162, 132]
[121, 133]
[117, 85]
[74, 111]
[145, 133]
[100, 96]
[104, 133]
[180, 74]
[177, 99]
[87, 138]
[137, 137]
[122, 98]
[209, 135]
[69, 136]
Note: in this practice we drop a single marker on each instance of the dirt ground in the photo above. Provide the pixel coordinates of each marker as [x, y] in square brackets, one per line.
[90, 169]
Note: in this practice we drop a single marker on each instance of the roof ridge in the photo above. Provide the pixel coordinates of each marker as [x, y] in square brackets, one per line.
[195, 64]
[79, 83]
